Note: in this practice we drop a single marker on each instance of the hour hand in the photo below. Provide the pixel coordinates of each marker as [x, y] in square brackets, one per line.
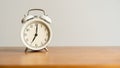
[35, 32]
[34, 37]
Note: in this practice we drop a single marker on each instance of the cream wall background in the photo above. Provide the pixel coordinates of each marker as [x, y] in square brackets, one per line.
[75, 22]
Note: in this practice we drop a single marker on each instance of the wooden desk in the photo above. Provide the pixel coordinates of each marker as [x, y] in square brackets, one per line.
[61, 57]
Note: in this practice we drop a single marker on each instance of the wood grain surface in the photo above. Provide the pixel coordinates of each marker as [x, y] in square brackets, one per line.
[61, 57]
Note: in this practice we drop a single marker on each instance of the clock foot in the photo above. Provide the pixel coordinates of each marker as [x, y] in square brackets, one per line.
[46, 49]
[26, 50]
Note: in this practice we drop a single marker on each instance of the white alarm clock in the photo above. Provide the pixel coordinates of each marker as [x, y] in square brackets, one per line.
[36, 32]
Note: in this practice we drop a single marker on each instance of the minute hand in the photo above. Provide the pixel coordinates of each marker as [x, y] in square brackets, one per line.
[35, 33]
[36, 28]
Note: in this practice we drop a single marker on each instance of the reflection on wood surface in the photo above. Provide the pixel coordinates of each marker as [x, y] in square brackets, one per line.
[34, 58]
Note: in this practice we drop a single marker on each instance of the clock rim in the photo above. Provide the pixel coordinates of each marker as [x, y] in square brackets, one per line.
[29, 22]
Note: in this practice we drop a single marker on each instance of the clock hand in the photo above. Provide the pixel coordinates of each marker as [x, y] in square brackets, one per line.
[35, 33]
[33, 39]
[36, 28]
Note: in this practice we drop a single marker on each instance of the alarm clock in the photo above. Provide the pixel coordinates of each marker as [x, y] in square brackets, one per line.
[36, 32]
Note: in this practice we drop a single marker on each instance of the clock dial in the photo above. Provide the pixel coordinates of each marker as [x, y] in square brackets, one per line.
[36, 34]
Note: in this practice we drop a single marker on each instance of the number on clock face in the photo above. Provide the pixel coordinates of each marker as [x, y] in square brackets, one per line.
[36, 34]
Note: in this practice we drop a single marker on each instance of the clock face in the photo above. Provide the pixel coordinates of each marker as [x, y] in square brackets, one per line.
[36, 34]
